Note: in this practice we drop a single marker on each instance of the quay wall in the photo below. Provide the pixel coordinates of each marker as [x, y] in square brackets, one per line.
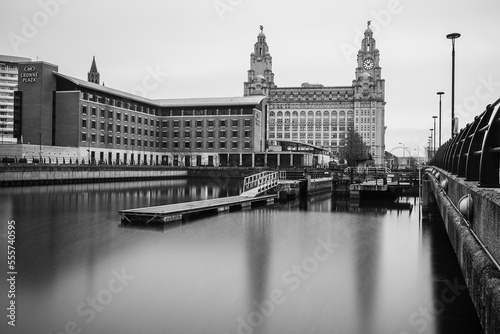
[37, 175]
[474, 236]
[21, 175]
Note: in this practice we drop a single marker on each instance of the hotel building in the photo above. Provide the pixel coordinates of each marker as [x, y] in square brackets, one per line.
[8, 84]
[103, 125]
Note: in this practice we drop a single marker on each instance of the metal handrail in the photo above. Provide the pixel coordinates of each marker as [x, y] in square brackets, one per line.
[473, 152]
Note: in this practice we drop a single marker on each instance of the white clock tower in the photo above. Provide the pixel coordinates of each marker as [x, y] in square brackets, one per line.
[369, 98]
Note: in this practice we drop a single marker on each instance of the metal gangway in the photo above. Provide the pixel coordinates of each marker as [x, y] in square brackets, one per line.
[257, 184]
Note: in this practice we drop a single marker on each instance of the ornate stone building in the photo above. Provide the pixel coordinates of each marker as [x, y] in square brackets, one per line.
[322, 115]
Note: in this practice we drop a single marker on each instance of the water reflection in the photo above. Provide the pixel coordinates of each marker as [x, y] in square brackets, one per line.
[339, 267]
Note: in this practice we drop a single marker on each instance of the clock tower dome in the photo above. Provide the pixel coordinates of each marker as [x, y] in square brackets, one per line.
[260, 75]
[368, 83]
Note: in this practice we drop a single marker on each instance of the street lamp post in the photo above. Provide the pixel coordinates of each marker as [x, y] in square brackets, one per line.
[440, 94]
[453, 36]
[430, 142]
[434, 131]
[428, 149]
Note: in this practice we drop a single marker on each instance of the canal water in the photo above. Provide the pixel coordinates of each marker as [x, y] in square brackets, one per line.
[321, 265]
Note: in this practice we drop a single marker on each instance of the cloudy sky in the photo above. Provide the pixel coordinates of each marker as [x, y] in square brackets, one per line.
[201, 48]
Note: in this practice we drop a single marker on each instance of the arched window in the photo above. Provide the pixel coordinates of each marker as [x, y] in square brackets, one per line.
[326, 114]
[280, 114]
[271, 114]
[295, 114]
[287, 114]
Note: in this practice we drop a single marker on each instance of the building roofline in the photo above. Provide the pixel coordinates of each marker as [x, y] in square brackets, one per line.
[104, 89]
[14, 59]
[38, 62]
[187, 102]
[312, 88]
[212, 101]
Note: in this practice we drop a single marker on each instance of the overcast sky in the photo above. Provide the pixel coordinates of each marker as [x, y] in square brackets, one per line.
[201, 48]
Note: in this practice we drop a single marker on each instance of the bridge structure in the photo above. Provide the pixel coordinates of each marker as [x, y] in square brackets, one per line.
[463, 182]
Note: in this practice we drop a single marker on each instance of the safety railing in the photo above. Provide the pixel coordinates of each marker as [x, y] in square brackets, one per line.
[474, 152]
[257, 184]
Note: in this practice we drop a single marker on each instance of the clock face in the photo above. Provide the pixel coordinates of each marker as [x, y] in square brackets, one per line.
[368, 64]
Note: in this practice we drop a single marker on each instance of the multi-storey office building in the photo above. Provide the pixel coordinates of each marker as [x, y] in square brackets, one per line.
[8, 84]
[319, 115]
[101, 124]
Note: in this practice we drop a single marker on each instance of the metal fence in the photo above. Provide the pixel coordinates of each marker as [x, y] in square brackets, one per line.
[474, 152]
[6, 159]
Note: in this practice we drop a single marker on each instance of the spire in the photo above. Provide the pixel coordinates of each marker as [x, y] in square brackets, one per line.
[93, 67]
[93, 75]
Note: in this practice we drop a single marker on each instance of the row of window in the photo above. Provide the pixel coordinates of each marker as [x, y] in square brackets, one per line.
[117, 103]
[137, 143]
[118, 128]
[175, 134]
[209, 134]
[205, 145]
[210, 123]
[111, 140]
[110, 114]
[303, 128]
[318, 113]
[306, 135]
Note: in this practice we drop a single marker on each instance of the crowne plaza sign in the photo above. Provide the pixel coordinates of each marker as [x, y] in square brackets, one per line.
[29, 75]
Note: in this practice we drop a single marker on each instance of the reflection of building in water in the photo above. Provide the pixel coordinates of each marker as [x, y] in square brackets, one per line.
[258, 233]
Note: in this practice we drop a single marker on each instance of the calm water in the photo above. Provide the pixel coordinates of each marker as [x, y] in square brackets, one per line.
[317, 266]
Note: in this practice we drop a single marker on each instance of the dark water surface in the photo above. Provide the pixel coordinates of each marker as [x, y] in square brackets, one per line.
[316, 266]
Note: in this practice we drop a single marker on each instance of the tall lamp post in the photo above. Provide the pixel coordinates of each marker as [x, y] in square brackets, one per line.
[453, 36]
[430, 143]
[440, 94]
[434, 117]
